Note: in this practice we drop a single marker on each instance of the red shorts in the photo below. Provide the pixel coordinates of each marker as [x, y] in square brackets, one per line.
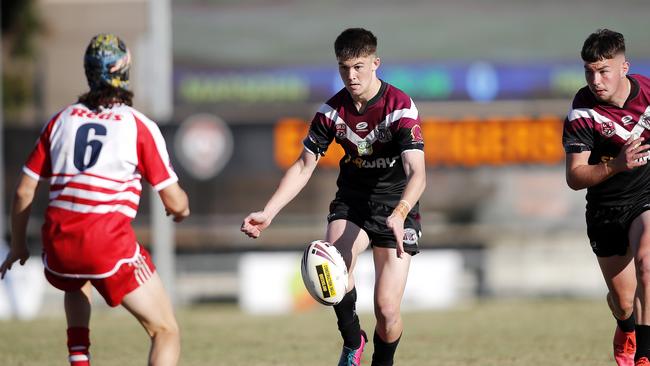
[113, 288]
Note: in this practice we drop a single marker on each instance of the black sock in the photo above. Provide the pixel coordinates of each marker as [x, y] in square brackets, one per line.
[384, 352]
[626, 325]
[642, 341]
[348, 321]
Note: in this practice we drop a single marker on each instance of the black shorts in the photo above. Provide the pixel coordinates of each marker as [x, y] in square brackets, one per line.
[608, 228]
[371, 217]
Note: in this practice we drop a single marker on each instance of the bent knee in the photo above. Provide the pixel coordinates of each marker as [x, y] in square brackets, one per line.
[167, 328]
[387, 313]
[643, 269]
[622, 308]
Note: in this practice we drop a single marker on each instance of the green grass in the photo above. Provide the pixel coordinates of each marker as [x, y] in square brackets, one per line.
[489, 333]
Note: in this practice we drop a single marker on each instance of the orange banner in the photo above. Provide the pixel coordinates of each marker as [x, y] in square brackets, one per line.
[466, 142]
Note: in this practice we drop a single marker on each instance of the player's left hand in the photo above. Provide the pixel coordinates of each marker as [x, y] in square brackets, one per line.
[15, 254]
[396, 223]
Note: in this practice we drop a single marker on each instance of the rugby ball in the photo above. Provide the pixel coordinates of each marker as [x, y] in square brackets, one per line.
[324, 272]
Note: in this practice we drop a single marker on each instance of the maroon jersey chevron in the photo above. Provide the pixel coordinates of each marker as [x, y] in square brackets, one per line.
[603, 129]
[373, 140]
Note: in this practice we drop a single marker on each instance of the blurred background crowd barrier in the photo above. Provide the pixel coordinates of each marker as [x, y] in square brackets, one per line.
[492, 80]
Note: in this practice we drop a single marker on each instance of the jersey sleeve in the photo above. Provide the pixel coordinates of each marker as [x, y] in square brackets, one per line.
[577, 135]
[153, 159]
[39, 162]
[408, 134]
[320, 134]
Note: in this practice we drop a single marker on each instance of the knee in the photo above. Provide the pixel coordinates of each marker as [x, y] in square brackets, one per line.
[643, 269]
[387, 313]
[622, 308]
[167, 328]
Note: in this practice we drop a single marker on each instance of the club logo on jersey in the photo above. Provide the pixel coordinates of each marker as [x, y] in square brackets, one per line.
[416, 134]
[608, 129]
[627, 120]
[383, 134]
[644, 120]
[341, 131]
[364, 147]
[362, 126]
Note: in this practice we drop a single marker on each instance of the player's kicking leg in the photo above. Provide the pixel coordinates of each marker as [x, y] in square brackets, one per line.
[350, 240]
[620, 277]
[150, 304]
[77, 313]
[390, 280]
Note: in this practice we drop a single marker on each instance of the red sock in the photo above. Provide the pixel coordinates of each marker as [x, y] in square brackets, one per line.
[78, 344]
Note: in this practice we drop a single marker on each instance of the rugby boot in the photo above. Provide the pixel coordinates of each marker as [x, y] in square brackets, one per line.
[624, 347]
[643, 361]
[352, 357]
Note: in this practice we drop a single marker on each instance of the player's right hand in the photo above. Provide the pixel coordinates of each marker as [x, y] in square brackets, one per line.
[179, 216]
[20, 254]
[633, 154]
[254, 224]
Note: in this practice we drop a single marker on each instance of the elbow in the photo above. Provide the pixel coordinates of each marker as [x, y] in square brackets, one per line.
[424, 184]
[178, 206]
[175, 200]
[24, 194]
[574, 185]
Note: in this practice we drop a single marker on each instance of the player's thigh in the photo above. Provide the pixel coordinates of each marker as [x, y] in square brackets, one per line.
[640, 235]
[349, 239]
[391, 274]
[150, 304]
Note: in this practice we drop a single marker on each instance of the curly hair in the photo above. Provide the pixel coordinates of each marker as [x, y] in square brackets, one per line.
[105, 96]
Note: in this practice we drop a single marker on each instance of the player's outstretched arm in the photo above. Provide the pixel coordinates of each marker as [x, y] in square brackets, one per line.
[22, 205]
[175, 201]
[416, 180]
[294, 180]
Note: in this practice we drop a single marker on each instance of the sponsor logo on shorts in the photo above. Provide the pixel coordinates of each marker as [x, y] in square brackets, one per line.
[410, 236]
[142, 271]
[325, 278]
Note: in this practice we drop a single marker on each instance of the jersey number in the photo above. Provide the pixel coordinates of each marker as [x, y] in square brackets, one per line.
[82, 143]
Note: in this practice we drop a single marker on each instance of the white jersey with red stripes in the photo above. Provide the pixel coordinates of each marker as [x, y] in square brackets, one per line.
[94, 163]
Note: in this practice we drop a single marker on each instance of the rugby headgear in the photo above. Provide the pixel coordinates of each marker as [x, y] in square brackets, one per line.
[107, 62]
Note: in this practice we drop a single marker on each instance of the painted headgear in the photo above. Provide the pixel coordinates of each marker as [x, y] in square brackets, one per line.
[107, 62]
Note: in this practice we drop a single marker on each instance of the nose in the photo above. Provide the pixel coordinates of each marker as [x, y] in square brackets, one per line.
[595, 79]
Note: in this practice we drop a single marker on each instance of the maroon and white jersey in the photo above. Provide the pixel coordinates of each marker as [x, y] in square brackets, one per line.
[94, 163]
[373, 141]
[603, 129]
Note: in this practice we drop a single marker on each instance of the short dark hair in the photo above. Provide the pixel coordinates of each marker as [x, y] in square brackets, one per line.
[602, 45]
[355, 42]
[105, 96]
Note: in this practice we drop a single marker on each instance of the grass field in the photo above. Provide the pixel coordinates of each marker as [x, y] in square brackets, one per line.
[487, 333]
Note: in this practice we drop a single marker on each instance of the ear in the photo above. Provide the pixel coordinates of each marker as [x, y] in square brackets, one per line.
[375, 64]
[625, 67]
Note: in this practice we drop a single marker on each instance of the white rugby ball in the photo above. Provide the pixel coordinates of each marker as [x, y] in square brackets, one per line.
[324, 272]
